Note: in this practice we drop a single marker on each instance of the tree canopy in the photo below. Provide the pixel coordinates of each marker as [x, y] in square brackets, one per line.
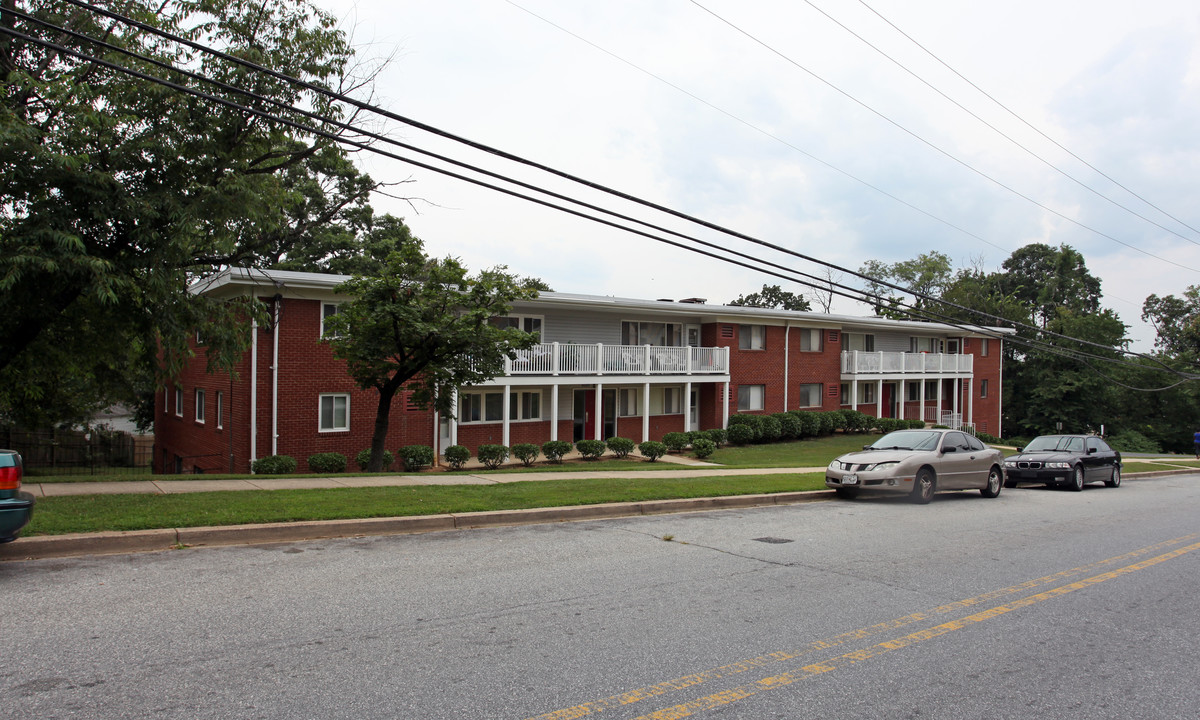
[773, 296]
[425, 324]
[118, 192]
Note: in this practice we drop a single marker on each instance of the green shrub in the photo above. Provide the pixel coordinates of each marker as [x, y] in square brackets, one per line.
[590, 449]
[887, 425]
[810, 424]
[621, 447]
[330, 462]
[770, 429]
[753, 421]
[274, 465]
[718, 435]
[789, 425]
[694, 435]
[703, 447]
[492, 456]
[1132, 441]
[652, 450]
[457, 456]
[916, 424]
[741, 434]
[555, 449]
[415, 457]
[987, 439]
[363, 459]
[856, 421]
[527, 453]
[829, 421]
[675, 441]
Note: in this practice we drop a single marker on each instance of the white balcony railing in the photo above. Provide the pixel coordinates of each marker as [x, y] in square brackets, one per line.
[600, 359]
[857, 362]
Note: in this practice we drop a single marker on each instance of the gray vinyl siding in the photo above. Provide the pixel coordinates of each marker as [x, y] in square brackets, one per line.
[596, 327]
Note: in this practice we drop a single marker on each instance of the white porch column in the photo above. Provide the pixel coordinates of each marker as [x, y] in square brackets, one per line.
[725, 405]
[922, 398]
[505, 421]
[453, 421]
[554, 411]
[940, 400]
[854, 394]
[970, 404]
[687, 408]
[879, 398]
[902, 389]
[645, 412]
[957, 396]
[598, 417]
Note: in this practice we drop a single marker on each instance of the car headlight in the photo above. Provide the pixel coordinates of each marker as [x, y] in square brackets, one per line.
[836, 465]
[1010, 463]
[1057, 465]
[882, 465]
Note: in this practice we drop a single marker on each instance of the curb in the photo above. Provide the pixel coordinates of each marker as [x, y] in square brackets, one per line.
[110, 543]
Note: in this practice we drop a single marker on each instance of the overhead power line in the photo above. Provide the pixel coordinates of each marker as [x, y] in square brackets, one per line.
[857, 294]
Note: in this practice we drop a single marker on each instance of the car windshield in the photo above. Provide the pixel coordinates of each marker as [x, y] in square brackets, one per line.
[1055, 443]
[907, 440]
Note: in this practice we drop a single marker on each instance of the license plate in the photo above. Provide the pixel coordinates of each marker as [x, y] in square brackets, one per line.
[849, 479]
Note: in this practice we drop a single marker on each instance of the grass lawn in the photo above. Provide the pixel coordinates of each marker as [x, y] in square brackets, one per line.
[96, 513]
[800, 453]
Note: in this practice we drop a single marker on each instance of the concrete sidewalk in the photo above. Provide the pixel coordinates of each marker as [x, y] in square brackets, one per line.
[163, 486]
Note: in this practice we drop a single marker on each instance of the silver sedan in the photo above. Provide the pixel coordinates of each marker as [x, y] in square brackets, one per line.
[919, 463]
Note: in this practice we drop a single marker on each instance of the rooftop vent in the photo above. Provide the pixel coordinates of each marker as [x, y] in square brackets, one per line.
[695, 301]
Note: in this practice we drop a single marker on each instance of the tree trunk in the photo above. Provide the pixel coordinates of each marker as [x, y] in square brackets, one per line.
[382, 417]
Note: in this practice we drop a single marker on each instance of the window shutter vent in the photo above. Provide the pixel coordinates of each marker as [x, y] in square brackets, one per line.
[727, 331]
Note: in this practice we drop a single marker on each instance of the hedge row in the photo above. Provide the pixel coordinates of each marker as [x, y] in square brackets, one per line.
[799, 424]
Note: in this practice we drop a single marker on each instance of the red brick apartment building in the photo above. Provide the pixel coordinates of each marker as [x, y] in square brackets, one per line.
[605, 367]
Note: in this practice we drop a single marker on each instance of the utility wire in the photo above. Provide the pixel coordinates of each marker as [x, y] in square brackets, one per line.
[1026, 122]
[931, 145]
[995, 129]
[857, 295]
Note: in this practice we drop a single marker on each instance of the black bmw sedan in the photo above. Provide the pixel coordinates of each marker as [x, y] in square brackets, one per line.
[1068, 461]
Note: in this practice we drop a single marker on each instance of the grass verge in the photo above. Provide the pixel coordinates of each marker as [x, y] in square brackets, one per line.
[99, 513]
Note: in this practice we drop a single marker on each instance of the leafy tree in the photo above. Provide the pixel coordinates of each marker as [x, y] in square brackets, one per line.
[1176, 321]
[425, 324]
[117, 193]
[773, 296]
[1046, 279]
[929, 274]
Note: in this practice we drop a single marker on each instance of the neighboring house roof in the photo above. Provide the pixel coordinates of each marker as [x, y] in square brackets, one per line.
[235, 281]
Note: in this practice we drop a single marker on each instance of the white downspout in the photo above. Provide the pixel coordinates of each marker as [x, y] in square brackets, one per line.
[253, 390]
[1000, 390]
[275, 380]
[787, 346]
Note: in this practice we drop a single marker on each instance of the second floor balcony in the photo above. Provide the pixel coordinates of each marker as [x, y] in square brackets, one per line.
[601, 359]
[857, 362]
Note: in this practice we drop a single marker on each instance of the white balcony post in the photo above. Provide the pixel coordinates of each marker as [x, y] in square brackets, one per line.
[554, 362]
[554, 411]
[645, 412]
[854, 362]
[599, 411]
[687, 353]
[599, 358]
[687, 408]
[645, 359]
[504, 420]
[725, 402]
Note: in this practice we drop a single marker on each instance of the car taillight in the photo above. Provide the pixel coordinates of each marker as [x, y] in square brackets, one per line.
[10, 478]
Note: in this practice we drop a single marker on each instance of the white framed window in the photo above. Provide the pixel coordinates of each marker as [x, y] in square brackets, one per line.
[672, 400]
[525, 323]
[627, 402]
[200, 405]
[983, 347]
[866, 393]
[863, 342]
[925, 344]
[328, 310]
[525, 405]
[220, 409]
[983, 387]
[752, 337]
[914, 390]
[751, 397]
[335, 413]
[810, 395]
[810, 339]
[661, 334]
[178, 402]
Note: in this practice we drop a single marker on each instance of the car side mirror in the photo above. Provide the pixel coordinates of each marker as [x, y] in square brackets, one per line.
[1091, 450]
[950, 448]
[866, 447]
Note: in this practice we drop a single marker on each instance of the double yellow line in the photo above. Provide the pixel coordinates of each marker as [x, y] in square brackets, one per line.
[727, 697]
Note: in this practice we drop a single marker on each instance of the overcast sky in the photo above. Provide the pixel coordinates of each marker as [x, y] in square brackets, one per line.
[772, 119]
